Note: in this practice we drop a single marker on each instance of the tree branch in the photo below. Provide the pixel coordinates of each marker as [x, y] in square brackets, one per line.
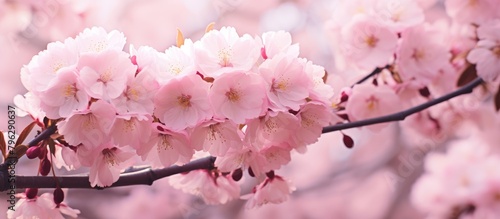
[141, 177]
[373, 73]
[403, 114]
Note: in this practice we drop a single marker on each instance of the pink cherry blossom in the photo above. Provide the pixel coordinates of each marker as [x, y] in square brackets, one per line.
[224, 50]
[138, 95]
[312, 118]
[276, 156]
[64, 95]
[367, 43]
[29, 103]
[176, 62]
[288, 84]
[105, 75]
[399, 14]
[320, 92]
[272, 190]
[238, 96]
[166, 147]
[43, 68]
[486, 54]
[212, 186]
[89, 127]
[467, 11]
[183, 102]
[368, 101]
[96, 40]
[276, 42]
[273, 128]
[131, 130]
[108, 164]
[41, 206]
[422, 54]
[217, 137]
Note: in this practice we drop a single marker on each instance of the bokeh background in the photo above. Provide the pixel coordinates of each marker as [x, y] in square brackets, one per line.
[372, 180]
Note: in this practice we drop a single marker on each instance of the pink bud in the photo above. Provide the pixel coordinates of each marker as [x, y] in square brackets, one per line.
[58, 196]
[31, 193]
[237, 174]
[45, 167]
[263, 52]
[33, 152]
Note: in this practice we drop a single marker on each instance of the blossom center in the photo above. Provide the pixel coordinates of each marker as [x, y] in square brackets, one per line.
[225, 57]
[164, 143]
[372, 102]
[133, 94]
[69, 91]
[496, 51]
[109, 156]
[233, 95]
[371, 41]
[57, 66]
[418, 54]
[106, 76]
[184, 101]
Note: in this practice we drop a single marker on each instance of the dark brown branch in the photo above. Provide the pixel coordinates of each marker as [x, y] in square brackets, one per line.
[403, 114]
[141, 177]
[373, 73]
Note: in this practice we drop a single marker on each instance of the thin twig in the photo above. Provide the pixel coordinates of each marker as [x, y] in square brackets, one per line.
[403, 114]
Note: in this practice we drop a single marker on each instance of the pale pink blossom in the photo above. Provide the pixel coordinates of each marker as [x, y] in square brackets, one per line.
[166, 147]
[138, 95]
[423, 52]
[105, 75]
[108, 164]
[245, 158]
[399, 14]
[223, 50]
[212, 186]
[367, 43]
[238, 96]
[41, 206]
[276, 156]
[43, 68]
[273, 128]
[217, 137]
[272, 190]
[320, 92]
[486, 54]
[29, 103]
[89, 127]
[96, 40]
[288, 83]
[472, 11]
[312, 118]
[131, 130]
[183, 102]
[276, 42]
[64, 95]
[176, 62]
[368, 101]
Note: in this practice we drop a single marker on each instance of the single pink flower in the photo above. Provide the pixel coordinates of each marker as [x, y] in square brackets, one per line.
[64, 95]
[367, 43]
[108, 164]
[212, 186]
[312, 118]
[223, 50]
[138, 95]
[288, 83]
[472, 11]
[89, 127]
[96, 40]
[217, 137]
[273, 128]
[272, 190]
[276, 42]
[183, 102]
[176, 62]
[42, 206]
[105, 75]
[399, 14]
[486, 54]
[423, 52]
[131, 130]
[238, 96]
[166, 147]
[368, 101]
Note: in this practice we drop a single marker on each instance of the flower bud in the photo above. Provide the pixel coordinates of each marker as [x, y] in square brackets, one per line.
[237, 174]
[58, 196]
[270, 174]
[31, 193]
[33, 152]
[45, 167]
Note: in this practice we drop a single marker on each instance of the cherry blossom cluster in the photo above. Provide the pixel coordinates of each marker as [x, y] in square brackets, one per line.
[464, 178]
[249, 101]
